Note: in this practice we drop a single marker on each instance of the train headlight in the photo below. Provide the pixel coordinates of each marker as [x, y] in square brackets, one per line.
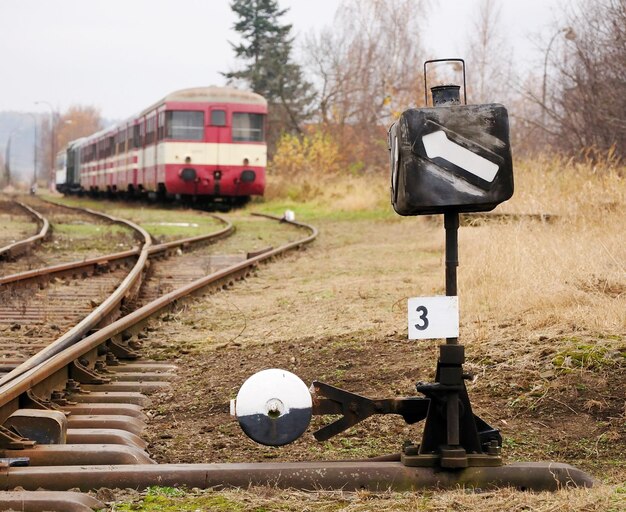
[248, 176]
[188, 174]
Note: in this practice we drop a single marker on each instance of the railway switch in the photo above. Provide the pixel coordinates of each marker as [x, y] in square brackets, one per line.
[445, 159]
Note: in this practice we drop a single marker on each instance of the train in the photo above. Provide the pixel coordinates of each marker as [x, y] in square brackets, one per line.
[205, 144]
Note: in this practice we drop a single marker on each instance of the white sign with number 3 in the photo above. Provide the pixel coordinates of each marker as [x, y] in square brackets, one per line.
[433, 317]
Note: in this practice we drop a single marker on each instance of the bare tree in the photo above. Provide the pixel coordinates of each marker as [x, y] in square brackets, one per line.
[369, 61]
[77, 121]
[489, 55]
[367, 68]
[583, 99]
[591, 109]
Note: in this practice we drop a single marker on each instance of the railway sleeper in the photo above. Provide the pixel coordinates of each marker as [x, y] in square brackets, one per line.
[104, 436]
[312, 476]
[143, 366]
[112, 397]
[142, 377]
[80, 454]
[117, 421]
[91, 409]
[51, 426]
[36, 501]
[138, 386]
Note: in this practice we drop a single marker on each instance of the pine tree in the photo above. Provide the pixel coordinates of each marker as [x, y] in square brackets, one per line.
[270, 71]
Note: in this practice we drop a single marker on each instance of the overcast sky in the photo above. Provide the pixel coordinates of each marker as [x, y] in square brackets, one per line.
[122, 55]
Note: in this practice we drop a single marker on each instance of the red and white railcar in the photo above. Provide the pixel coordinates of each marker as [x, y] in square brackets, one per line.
[206, 142]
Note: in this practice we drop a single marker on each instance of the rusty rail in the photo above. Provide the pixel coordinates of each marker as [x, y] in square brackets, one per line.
[52, 360]
[21, 246]
[347, 476]
[98, 315]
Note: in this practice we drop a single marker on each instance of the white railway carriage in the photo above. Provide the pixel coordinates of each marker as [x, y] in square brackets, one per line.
[206, 142]
[60, 170]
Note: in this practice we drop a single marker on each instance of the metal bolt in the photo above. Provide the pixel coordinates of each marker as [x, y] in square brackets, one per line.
[493, 448]
[412, 449]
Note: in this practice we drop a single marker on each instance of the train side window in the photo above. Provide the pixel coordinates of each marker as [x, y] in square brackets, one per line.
[110, 146]
[136, 136]
[150, 130]
[121, 141]
[184, 125]
[248, 127]
[218, 118]
[161, 126]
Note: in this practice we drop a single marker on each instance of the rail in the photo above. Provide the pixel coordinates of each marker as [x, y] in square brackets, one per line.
[50, 361]
[100, 313]
[99, 261]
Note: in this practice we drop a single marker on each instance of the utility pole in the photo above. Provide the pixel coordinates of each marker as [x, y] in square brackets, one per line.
[34, 148]
[570, 35]
[53, 119]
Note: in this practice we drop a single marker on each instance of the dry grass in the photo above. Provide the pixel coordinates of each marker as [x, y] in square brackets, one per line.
[266, 498]
[568, 272]
[339, 193]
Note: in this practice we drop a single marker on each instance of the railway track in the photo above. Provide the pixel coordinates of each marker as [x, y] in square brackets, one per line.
[78, 401]
[71, 234]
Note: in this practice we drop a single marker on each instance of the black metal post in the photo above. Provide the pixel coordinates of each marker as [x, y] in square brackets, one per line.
[451, 224]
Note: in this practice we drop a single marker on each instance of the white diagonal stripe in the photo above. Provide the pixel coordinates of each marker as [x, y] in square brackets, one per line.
[437, 144]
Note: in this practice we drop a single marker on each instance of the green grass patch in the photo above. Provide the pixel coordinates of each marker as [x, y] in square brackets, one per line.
[89, 230]
[313, 210]
[172, 499]
[19, 227]
[163, 222]
[589, 357]
[90, 238]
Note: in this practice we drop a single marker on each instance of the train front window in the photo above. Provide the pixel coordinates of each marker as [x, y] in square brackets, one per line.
[248, 127]
[184, 125]
[61, 161]
[218, 118]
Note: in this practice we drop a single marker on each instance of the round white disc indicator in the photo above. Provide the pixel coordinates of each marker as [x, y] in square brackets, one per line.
[274, 407]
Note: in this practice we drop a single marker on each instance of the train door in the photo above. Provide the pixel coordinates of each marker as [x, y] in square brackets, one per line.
[151, 152]
[143, 164]
[160, 158]
[220, 136]
[134, 162]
